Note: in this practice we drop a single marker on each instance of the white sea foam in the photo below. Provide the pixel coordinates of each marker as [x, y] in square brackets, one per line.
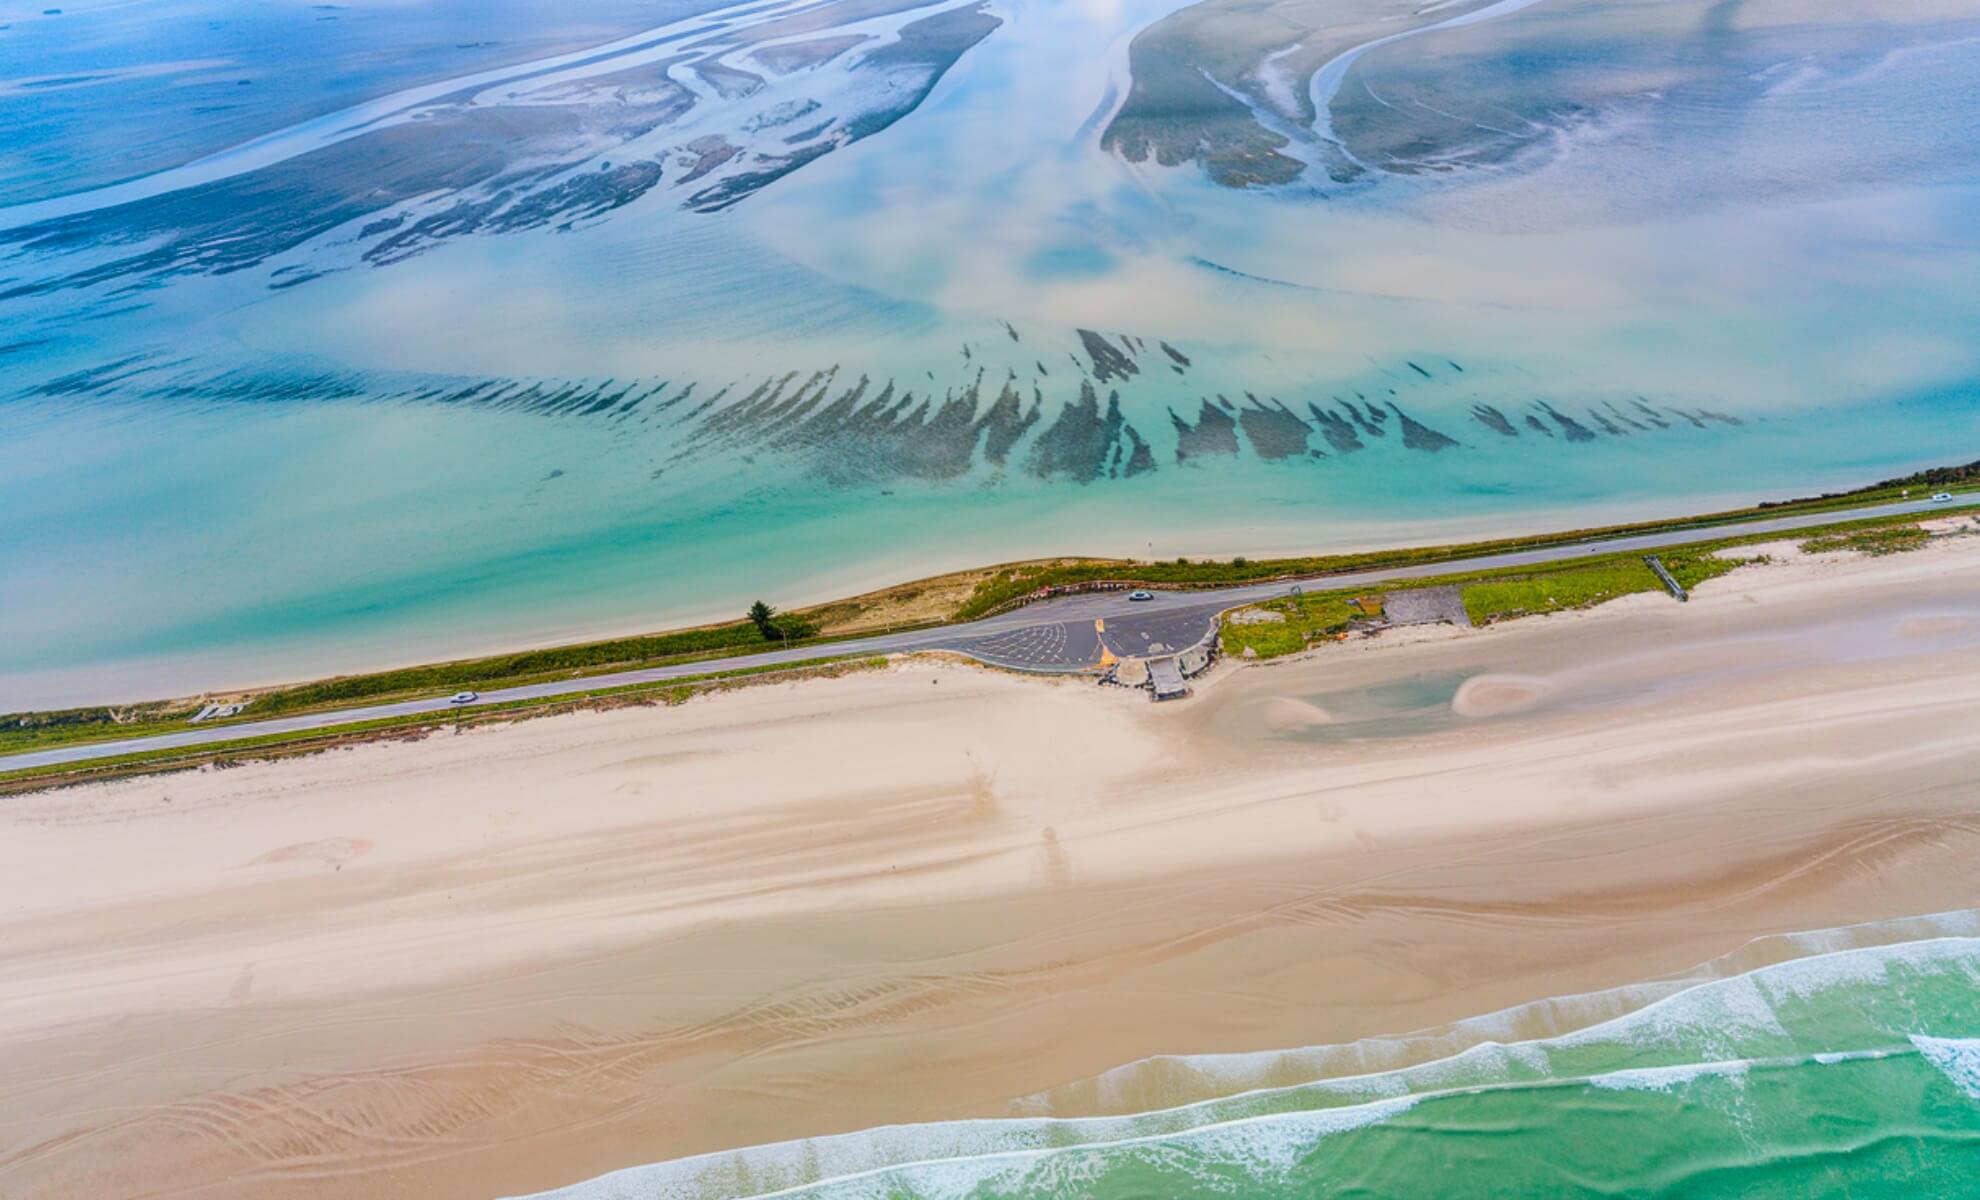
[1958, 1059]
[1270, 1144]
[1670, 1079]
[1561, 1016]
[1666, 1079]
[1716, 1024]
[1265, 1148]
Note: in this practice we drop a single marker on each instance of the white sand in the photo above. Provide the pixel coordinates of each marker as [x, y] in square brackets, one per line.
[496, 961]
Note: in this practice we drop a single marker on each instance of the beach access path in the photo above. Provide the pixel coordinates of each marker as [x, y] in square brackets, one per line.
[1056, 636]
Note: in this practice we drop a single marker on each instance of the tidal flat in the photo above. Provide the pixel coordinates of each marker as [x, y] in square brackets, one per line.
[420, 337]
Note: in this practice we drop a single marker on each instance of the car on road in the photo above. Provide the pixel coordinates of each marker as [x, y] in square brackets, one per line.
[1942, 498]
[463, 697]
[1140, 595]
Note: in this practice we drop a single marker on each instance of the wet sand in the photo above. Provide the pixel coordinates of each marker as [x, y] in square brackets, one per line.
[491, 963]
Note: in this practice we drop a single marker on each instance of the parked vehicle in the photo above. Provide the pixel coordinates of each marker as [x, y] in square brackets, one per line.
[463, 697]
[1138, 595]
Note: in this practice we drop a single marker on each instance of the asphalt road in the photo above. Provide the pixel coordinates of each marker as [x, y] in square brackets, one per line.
[1060, 635]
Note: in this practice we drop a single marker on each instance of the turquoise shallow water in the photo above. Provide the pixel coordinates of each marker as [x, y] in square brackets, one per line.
[1845, 1062]
[161, 548]
[404, 335]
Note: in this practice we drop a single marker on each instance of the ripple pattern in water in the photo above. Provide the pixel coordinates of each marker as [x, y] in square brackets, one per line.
[915, 284]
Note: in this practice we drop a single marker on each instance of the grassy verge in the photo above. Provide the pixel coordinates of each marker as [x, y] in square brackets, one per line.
[23, 732]
[1894, 539]
[1488, 596]
[1511, 592]
[668, 692]
[1583, 585]
[1580, 587]
[1492, 595]
[1009, 584]
[1302, 619]
[511, 668]
[920, 604]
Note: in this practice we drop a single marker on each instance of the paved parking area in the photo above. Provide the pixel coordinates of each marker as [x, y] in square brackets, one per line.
[1024, 640]
[1076, 642]
[1050, 647]
[1138, 633]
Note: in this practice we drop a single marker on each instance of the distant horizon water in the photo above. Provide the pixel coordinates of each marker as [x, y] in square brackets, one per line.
[404, 336]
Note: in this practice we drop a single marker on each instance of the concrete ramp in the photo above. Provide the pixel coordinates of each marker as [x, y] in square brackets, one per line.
[1165, 678]
[1426, 606]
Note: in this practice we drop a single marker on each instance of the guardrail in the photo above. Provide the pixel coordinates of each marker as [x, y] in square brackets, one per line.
[1066, 589]
[1664, 577]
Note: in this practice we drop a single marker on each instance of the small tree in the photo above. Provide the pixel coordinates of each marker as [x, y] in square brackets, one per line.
[760, 615]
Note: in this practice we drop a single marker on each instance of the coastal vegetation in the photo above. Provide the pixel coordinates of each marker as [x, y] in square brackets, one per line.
[1488, 596]
[1583, 585]
[1009, 585]
[1932, 477]
[1579, 587]
[510, 668]
[760, 615]
[1894, 539]
[671, 692]
[1304, 619]
[21, 732]
[967, 595]
[34, 730]
[773, 626]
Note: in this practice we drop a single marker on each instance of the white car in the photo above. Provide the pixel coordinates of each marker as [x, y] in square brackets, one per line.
[1141, 595]
[463, 697]
[1942, 497]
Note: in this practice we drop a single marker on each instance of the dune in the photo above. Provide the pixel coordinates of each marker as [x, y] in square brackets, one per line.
[1497, 695]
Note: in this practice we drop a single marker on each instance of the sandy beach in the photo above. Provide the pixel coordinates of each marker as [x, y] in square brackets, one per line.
[494, 962]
